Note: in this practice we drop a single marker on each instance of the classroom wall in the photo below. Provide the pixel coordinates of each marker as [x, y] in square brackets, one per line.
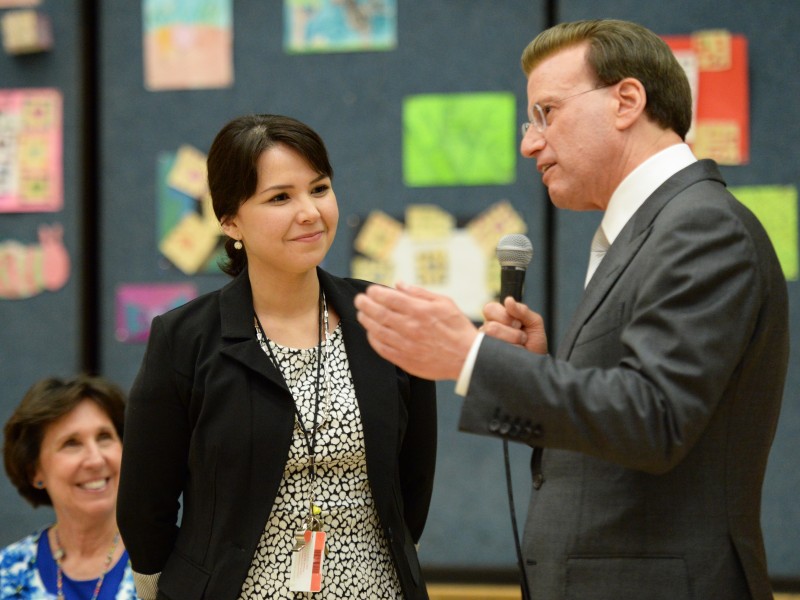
[355, 101]
[42, 335]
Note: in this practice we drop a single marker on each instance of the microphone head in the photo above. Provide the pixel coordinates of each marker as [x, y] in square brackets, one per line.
[514, 250]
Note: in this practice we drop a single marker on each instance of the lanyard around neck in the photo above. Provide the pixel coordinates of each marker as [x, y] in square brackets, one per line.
[322, 342]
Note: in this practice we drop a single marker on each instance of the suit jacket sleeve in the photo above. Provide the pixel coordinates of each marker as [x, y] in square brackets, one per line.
[652, 361]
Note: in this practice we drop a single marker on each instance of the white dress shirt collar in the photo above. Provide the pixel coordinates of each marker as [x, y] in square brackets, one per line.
[625, 201]
[640, 183]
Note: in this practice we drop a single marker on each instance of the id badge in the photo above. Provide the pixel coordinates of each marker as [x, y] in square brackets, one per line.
[307, 564]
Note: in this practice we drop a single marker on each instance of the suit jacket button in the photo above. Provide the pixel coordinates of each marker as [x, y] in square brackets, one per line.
[538, 480]
[505, 428]
[537, 431]
[494, 425]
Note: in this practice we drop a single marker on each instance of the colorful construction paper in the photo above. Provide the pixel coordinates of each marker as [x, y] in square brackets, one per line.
[459, 139]
[137, 304]
[31, 168]
[776, 208]
[336, 26]
[187, 45]
[29, 269]
[719, 65]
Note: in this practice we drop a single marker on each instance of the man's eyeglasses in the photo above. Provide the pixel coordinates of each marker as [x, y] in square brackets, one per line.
[539, 116]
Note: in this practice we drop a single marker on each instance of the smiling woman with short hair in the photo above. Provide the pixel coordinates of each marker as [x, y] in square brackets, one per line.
[63, 447]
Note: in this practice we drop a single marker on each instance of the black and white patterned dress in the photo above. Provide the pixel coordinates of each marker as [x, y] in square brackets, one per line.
[358, 565]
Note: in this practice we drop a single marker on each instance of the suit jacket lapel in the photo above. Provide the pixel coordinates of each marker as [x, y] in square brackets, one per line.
[628, 243]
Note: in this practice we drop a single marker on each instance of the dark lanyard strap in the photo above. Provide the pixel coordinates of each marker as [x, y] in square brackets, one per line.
[311, 440]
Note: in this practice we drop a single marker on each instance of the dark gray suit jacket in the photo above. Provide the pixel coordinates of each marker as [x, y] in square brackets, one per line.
[209, 417]
[652, 425]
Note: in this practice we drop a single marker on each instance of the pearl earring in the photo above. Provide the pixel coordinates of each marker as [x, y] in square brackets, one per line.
[237, 244]
[40, 485]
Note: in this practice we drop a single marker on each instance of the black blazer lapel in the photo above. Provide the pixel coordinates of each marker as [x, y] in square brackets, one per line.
[374, 379]
[238, 331]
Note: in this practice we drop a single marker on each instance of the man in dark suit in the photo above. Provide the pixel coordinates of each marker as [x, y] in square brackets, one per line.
[652, 424]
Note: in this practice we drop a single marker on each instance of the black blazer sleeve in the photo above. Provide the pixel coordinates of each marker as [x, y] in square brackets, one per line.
[154, 457]
[418, 452]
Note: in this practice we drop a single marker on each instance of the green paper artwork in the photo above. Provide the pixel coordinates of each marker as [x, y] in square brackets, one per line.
[776, 208]
[459, 139]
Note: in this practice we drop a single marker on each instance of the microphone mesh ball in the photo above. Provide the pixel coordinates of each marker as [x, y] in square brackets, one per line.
[514, 250]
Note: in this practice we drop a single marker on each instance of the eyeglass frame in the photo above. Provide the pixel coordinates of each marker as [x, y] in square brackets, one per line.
[539, 111]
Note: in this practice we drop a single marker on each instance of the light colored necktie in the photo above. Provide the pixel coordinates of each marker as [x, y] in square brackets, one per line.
[596, 253]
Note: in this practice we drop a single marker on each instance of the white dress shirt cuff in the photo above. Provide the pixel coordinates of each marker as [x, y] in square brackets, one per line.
[462, 385]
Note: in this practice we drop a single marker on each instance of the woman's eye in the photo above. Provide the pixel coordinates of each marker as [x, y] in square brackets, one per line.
[279, 198]
[320, 189]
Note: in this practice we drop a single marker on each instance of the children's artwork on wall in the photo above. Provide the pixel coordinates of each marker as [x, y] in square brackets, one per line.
[18, 3]
[26, 32]
[137, 304]
[337, 26]
[188, 233]
[776, 208]
[187, 45]
[459, 139]
[31, 170]
[716, 64]
[430, 250]
[29, 269]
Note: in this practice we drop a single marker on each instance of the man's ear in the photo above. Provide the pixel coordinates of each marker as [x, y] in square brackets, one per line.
[632, 99]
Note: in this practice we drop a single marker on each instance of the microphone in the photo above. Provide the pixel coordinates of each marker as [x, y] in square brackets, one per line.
[514, 252]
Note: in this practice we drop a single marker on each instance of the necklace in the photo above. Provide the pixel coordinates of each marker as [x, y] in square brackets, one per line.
[323, 350]
[309, 433]
[59, 555]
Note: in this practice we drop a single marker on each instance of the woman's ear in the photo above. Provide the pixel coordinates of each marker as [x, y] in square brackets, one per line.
[38, 479]
[632, 99]
[230, 228]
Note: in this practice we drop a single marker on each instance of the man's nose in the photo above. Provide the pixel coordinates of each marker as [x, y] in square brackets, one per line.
[532, 142]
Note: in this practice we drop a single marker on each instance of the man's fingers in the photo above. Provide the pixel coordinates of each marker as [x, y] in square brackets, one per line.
[417, 292]
[512, 335]
[392, 300]
[381, 327]
[520, 312]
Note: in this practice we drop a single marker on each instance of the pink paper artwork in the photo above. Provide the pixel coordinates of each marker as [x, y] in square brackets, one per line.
[28, 270]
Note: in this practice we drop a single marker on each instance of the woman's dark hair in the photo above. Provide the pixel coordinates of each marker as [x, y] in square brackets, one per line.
[44, 403]
[233, 161]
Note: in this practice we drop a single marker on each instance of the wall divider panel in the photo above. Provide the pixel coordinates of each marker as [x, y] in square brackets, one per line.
[41, 333]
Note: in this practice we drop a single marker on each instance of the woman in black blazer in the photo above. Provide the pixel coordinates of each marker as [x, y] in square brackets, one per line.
[304, 460]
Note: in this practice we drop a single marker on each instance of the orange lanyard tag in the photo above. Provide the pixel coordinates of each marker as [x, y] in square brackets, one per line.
[307, 563]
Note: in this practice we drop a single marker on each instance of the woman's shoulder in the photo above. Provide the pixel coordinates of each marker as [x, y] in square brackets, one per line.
[21, 549]
[194, 307]
[127, 589]
[345, 285]
[18, 568]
